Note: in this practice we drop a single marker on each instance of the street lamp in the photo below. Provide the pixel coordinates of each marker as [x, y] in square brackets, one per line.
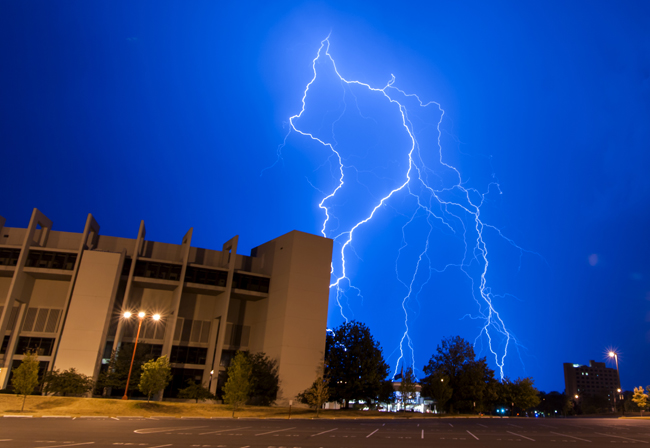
[141, 316]
[615, 356]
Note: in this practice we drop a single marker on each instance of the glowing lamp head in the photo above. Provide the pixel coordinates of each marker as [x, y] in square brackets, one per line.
[576, 396]
[141, 314]
[612, 354]
[618, 390]
[127, 314]
[156, 317]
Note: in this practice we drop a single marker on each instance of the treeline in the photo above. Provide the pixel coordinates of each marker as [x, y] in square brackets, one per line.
[355, 371]
[153, 377]
[256, 381]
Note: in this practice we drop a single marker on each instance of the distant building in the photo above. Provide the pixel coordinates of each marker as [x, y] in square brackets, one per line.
[63, 295]
[596, 378]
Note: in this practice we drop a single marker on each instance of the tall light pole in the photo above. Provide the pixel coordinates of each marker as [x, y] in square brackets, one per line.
[613, 354]
[141, 316]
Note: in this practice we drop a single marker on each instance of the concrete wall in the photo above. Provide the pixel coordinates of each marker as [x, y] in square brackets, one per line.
[296, 315]
[49, 293]
[91, 306]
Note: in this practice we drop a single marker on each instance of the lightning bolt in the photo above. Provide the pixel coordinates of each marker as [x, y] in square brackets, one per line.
[453, 207]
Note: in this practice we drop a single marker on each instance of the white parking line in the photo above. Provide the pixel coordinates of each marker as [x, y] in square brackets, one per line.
[482, 425]
[619, 437]
[519, 435]
[271, 432]
[451, 425]
[372, 433]
[565, 435]
[222, 430]
[155, 430]
[517, 426]
[472, 435]
[422, 433]
[314, 435]
[69, 444]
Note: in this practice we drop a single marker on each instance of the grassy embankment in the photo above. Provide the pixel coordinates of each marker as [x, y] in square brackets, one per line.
[39, 406]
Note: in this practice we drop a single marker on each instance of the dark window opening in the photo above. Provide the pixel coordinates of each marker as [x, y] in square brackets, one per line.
[40, 346]
[9, 257]
[212, 277]
[250, 282]
[188, 355]
[50, 260]
[126, 268]
[162, 271]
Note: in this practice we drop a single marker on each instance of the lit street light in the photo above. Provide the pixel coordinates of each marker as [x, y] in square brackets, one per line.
[141, 316]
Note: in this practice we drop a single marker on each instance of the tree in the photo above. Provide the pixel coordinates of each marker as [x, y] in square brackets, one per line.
[155, 376]
[238, 386]
[471, 381]
[24, 378]
[195, 391]
[640, 398]
[386, 392]
[118, 367]
[318, 394]
[355, 365]
[265, 380]
[68, 382]
[407, 386]
[520, 393]
[437, 387]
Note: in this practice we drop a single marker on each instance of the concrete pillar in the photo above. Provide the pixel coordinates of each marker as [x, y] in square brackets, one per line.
[170, 327]
[16, 290]
[217, 335]
[139, 245]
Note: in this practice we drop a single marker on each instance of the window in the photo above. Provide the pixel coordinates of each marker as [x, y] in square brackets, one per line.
[9, 257]
[188, 355]
[250, 282]
[50, 260]
[41, 346]
[162, 271]
[202, 276]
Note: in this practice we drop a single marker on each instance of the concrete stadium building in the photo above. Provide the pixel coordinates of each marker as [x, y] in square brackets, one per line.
[63, 295]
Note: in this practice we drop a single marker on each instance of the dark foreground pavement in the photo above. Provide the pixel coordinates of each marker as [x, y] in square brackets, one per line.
[225, 433]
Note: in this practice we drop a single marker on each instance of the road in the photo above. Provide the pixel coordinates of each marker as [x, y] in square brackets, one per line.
[98, 432]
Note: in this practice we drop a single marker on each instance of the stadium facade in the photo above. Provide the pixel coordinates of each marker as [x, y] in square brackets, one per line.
[64, 294]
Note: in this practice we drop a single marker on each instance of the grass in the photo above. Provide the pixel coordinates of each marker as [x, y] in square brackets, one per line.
[39, 406]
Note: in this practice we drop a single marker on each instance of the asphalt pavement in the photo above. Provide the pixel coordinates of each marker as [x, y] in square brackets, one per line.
[102, 432]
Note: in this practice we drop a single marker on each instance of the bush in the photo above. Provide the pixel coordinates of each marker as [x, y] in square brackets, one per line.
[68, 382]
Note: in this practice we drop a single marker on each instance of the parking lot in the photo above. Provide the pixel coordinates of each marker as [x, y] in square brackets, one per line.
[243, 433]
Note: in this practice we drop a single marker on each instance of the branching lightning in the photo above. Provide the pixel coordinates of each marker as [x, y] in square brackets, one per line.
[452, 206]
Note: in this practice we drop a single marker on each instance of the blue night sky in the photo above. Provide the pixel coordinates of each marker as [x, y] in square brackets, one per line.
[176, 113]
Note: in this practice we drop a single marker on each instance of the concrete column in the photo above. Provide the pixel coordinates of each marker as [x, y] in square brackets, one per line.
[229, 252]
[170, 328]
[88, 240]
[2, 225]
[139, 244]
[16, 290]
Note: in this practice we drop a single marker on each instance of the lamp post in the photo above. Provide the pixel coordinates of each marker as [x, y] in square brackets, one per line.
[613, 354]
[141, 316]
